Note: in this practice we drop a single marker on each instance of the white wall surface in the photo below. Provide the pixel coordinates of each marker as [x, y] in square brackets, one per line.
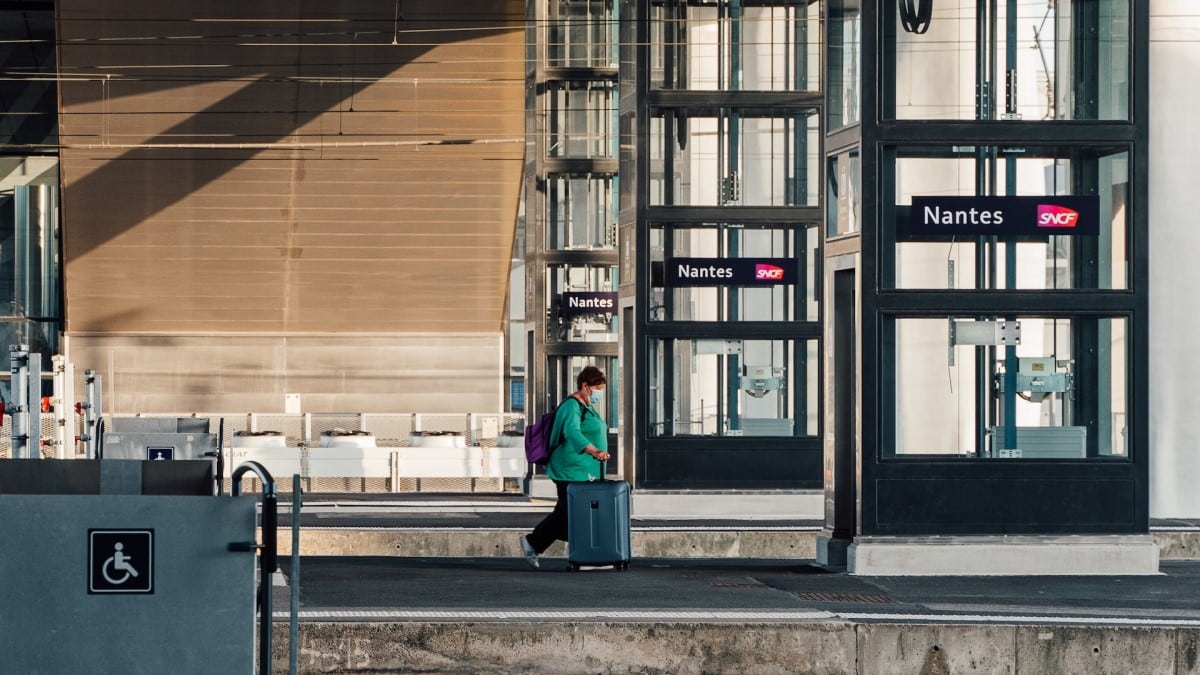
[1174, 247]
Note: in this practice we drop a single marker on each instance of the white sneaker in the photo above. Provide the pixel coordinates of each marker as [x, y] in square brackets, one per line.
[531, 555]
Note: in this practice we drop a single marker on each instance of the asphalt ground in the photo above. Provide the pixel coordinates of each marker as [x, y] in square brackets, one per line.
[338, 588]
[403, 588]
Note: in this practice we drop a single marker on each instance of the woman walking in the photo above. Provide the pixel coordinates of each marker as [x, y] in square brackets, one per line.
[581, 447]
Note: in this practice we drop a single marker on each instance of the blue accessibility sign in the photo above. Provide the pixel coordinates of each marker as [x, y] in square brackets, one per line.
[121, 561]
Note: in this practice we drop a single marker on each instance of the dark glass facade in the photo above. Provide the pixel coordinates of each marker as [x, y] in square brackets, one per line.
[29, 179]
[721, 211]
[994, 380]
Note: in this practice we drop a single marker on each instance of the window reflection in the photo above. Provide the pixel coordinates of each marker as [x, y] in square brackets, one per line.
[845, 57]
[582, 117]
[1059, 393]
[29, 250]
[733, 387]
[719, 45]
[1034, 263]
[583, 213]
[728, 300]
[581, 34]
[583, 305]
[1068, 61]
[748, 158]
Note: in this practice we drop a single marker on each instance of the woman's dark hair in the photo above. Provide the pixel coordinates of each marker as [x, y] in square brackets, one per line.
[591, 376]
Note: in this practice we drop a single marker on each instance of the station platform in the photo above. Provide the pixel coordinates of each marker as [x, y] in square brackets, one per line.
[436, 584]
[663, 526]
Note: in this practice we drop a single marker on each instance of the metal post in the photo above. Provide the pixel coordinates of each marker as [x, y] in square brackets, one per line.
[294, 616]
[92, 411]
[34, 406]
[268, 554]
[64, 413]
[19, 389]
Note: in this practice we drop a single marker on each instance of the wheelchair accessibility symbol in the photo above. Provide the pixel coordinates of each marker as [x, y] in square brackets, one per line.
[120, 561]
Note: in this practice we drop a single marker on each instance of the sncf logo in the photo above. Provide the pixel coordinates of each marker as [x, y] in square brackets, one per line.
[765, 272]
[1051, 215]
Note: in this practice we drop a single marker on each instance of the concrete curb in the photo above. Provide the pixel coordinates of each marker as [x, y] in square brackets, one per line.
[842, 648]
[677, 543]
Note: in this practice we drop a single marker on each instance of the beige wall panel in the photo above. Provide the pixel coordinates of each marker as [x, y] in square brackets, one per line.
[266, 179]
[186, 373]
[417, 168]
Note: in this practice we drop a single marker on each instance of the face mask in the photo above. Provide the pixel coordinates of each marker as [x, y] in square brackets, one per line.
[596, 397]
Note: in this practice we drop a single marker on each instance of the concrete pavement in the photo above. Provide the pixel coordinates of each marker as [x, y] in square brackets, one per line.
[495, 615]
[436, 585]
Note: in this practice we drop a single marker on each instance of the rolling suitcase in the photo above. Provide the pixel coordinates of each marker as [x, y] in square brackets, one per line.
[598, 524]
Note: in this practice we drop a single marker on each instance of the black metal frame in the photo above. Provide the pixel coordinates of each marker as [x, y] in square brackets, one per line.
[941, 495]
[542, 391]
[674, 462]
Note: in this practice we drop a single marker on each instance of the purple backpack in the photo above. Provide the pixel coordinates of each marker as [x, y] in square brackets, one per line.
[538, 445]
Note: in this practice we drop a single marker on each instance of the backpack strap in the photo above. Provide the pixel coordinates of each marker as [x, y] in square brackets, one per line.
[582, 416]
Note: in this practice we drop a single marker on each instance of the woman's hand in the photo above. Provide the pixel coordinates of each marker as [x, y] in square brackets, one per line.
[597, 453]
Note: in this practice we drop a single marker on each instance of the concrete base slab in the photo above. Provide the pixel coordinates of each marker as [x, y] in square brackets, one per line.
[800, 505]
[747, 542]
[791, 505]
[1003, 555]
[835, 647]
[454, 543]
[832, 551]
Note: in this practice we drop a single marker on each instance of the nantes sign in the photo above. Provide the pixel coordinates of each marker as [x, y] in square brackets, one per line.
[596, 302]
[730, 271]
[1036, 216]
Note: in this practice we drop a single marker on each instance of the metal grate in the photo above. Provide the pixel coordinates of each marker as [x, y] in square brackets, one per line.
[453, 422]
[844, 597]
[292, 426]
[391, 430]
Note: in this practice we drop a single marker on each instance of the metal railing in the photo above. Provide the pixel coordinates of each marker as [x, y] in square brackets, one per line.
[479, 432]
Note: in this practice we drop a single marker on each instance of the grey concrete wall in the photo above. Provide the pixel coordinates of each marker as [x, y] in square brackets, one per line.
[332, 373]
[747, 543]
[569, 648]
[456, 542]
[834, 648]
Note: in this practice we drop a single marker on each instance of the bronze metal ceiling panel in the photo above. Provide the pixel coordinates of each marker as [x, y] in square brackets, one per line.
[290, 167]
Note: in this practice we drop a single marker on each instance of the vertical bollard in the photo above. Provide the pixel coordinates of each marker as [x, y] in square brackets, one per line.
[294, 629]
[268, 560]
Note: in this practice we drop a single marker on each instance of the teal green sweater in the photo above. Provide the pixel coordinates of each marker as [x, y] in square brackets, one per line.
[576, 425]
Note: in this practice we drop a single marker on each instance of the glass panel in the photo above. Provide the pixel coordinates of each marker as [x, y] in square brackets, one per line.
[28, 93]
[796, 301]
[562, 373]
[29, 253]
[627, 165]
[582, 211]
[735, 46]
[29, 263]
[1047, 262]
[582, 34]
[1046, 61]
[582, 115]
[628, 56]
[734, 158]
[1060, 393]
[845, 56]
[40, 336]
[583, 303]
[843, 203]
[733, 387]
